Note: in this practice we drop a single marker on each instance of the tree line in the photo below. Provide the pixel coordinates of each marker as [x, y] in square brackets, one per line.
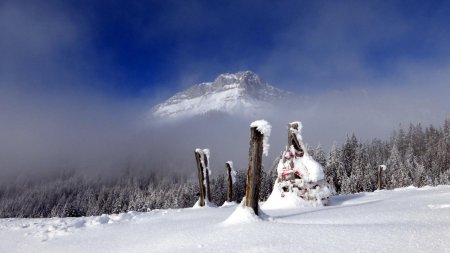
[415, 156]
[72, 195]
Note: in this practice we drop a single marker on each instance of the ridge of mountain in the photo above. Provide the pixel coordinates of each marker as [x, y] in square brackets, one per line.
[231, 93]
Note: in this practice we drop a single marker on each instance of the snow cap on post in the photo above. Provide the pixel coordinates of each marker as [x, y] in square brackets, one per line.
[264, 128]
[206, 154]
[233, 172]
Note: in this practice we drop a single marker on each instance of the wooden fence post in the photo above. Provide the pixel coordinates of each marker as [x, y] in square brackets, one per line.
[379, 178]
[208, 189]
[198, 157]
[254, 169]
[381, 168]
[230, 183]
[292, 138]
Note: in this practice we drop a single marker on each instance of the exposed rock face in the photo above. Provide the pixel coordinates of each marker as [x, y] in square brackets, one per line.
[236, 93]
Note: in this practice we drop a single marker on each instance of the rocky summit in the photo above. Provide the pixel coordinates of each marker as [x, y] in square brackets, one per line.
[239, 93]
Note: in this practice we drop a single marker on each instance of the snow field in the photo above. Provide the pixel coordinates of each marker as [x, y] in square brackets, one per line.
[403, 220]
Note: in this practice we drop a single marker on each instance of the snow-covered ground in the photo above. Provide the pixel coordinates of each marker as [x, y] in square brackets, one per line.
[402, 220]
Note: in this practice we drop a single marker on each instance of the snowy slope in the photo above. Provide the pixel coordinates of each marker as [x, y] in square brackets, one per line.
[403, 220]
[239, 93]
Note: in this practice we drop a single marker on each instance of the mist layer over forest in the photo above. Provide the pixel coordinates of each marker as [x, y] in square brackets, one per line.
[417, 156]
[99, 134]
[41, 138]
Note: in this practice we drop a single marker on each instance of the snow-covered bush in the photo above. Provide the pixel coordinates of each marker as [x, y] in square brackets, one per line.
[300, 178]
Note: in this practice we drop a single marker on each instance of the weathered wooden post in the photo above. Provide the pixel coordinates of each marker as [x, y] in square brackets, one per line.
[230, 182]
[206, 162]
[254, 168]
[381, 168]
[201, 179]
[292, 138]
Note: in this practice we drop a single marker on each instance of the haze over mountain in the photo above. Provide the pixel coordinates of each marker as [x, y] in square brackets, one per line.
[240, 94]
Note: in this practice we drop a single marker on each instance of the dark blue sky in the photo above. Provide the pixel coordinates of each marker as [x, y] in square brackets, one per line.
[143, 48]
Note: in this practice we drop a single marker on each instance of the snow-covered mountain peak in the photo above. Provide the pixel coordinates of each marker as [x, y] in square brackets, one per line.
[231, 93]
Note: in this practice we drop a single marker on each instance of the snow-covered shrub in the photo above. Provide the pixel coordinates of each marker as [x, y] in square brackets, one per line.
[300, 179]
